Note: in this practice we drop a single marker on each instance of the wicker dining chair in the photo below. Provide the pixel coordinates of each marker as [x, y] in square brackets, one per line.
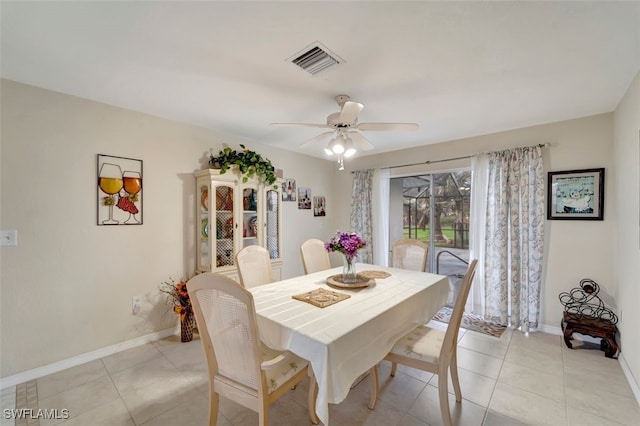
[434, 350]
[241, 368]
[314, 256]
[409, 253]
[254, 266]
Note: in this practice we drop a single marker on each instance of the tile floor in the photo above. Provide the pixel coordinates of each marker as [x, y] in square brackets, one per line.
[514, 380]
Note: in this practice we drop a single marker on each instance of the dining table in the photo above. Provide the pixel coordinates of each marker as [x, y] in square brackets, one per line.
[344, 340]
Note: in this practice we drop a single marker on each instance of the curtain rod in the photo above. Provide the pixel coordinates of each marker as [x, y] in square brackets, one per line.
[541, 145]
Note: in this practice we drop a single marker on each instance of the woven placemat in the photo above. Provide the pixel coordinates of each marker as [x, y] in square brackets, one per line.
[321, 297]
[361, 282]
[375, 274]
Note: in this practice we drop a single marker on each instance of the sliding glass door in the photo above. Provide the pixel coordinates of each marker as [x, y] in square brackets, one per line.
[435, 209]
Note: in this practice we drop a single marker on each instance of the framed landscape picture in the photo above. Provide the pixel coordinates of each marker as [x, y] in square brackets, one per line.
[576, 195]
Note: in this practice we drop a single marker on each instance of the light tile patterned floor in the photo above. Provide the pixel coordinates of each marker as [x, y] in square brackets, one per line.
[514, 380]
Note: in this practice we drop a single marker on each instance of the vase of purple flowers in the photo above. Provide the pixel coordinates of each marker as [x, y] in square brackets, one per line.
[347, 243]
[349, 275]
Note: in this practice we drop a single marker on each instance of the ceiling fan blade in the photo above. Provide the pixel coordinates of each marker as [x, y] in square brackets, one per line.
[322, 126]
[360, 141]
[317, 138]
[389, 127]
[350, 111]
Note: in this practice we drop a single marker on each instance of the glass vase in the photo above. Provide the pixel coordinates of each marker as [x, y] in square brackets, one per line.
[349, 270]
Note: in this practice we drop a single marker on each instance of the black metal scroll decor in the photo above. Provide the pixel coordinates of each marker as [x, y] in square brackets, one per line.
[584, 301]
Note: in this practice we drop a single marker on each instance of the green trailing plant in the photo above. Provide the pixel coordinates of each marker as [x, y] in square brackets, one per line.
[249, 163]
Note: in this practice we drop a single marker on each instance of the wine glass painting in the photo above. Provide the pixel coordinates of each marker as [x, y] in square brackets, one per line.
[132, 184]
[119, 198]
[110, 182]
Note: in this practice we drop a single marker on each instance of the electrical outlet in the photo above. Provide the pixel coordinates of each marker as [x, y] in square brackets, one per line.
[136, 304]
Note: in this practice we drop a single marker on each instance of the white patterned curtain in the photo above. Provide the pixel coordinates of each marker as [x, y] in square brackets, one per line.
[380, 217]
[361, 202]
[514, 236]
[479, 184]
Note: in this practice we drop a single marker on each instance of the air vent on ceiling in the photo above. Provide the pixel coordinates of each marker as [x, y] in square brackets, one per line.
[315, 58]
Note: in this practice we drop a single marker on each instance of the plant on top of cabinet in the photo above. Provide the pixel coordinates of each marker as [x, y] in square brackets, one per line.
[249, 163]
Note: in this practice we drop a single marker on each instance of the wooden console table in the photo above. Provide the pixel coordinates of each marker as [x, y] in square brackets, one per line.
[594, 327]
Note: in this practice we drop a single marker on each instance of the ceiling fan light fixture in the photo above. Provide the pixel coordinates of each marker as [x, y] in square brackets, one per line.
[329, 149]
[349, 148]
[345, 128]
[337, 146]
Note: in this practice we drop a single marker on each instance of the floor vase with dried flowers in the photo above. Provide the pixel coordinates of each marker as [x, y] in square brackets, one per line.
[187, 323]
[178, 298]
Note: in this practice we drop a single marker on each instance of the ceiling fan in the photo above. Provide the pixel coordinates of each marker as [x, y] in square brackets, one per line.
[344, 125]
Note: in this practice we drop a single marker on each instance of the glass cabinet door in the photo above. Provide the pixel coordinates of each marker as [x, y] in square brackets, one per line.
[224, 242]
[204, 258]
[272, 223]
[250, 208]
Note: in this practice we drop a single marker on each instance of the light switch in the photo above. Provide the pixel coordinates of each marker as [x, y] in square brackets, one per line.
[8, 238]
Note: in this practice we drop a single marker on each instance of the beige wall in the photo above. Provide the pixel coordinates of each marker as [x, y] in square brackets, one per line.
[627, 212]
[67, 288]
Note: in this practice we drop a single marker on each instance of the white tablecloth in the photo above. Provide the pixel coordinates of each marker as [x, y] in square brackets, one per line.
[346, 339]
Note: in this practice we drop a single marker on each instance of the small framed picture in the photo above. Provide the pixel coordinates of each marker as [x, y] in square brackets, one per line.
[289, 190]
[576, 195]
[319, 206]
[304, 198]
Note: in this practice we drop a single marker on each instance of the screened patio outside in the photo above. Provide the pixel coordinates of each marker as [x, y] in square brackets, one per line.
[449, 222]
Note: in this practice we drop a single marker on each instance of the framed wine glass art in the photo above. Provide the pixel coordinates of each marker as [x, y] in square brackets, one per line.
[119, 194]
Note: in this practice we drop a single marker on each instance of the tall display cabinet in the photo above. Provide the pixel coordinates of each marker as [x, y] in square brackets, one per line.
[231, 215]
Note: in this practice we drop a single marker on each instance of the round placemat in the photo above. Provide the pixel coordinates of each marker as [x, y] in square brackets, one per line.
[361, 281]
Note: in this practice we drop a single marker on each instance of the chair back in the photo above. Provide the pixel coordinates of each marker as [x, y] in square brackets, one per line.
[451, 335]
[226, 319]
[314, 256]
[254, 266]
[410, 254]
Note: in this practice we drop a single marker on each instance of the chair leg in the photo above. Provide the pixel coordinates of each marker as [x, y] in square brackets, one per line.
[263, 415]
[311, 398]
[394, 367]
[443, 396]
[374, 387]
[214, 404]
[453, 367]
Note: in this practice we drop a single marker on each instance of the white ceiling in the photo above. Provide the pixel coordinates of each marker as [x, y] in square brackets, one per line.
[458, 69]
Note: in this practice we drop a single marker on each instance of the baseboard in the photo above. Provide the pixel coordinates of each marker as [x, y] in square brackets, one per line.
[558, 331]
[551, 330]
[635, 388]
[25, 376]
